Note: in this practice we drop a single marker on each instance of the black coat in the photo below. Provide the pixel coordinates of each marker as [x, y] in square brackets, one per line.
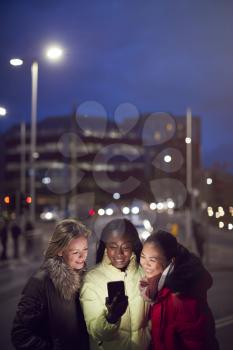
[49, 316]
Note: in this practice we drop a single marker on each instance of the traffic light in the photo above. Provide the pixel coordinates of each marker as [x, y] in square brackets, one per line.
[7, 200]
[91, 212]
[25, 201]
[28, 200]
[11, 202]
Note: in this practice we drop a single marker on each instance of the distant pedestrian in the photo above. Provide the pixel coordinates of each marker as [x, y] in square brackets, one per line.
[15, 234]
[4, 238]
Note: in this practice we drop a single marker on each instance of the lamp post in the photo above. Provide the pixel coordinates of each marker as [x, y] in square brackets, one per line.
[23, 157]
[53, 53]
[3, 113]
[188, 141]
[34, 94]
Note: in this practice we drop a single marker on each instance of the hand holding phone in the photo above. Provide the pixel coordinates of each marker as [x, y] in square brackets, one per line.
[117, 301]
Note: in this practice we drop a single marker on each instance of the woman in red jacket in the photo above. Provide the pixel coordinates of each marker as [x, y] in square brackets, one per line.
[176, 282]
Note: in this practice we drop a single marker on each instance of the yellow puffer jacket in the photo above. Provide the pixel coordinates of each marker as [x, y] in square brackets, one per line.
[131, 332]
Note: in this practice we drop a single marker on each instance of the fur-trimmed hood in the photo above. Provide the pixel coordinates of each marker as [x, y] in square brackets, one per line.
[66, 280]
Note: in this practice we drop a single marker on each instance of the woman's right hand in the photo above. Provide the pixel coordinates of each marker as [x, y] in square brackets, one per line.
[116, 308]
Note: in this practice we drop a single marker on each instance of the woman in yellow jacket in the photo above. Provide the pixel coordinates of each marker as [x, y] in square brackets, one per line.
[123, 323]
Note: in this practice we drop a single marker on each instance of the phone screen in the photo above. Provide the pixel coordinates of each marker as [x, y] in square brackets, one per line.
[115, 288]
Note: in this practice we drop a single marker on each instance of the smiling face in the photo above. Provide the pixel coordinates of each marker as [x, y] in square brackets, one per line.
[119, 250]
[75, 254]
[152, 260]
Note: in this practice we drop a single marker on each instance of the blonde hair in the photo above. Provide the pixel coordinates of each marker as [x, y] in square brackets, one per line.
[64, 232]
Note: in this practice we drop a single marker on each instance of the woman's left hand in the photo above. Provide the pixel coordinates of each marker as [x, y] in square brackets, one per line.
[117, 308]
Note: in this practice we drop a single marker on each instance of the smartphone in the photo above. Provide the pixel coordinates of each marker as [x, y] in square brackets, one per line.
[116, 288]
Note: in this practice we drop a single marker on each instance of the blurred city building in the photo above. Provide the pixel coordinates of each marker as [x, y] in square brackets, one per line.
[96, 157]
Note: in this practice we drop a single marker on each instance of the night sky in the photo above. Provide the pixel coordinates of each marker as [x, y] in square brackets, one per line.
[158, 55]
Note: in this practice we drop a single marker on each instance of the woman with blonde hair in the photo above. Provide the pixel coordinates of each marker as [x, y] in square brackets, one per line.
[49, 315]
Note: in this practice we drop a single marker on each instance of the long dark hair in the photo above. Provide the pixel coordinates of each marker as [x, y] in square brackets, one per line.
[166, 243]
[188, 268]
[122, 227]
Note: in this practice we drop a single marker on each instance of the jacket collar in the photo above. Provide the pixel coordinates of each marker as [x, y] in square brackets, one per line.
[169, 269]
[65, 280]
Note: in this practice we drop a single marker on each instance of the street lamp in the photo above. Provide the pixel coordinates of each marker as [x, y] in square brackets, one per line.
[3, 111]
[167, 158]
[16, 62]
[188, 141]
[53, 53]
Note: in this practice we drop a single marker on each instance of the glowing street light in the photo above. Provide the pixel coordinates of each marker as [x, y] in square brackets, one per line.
[209, 181]
[109, 211]
[210, 211]
[116, 195]
[167, 158]
[101, 211]
[170, 204]
[135, 210]
[3, 111]
[160, 206]
[54, 53]
[46, 180]
[221, 224]
[16, 62]
[126, 210]
[153, 206]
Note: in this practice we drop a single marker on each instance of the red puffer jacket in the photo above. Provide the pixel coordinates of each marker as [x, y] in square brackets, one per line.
[182, 323]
